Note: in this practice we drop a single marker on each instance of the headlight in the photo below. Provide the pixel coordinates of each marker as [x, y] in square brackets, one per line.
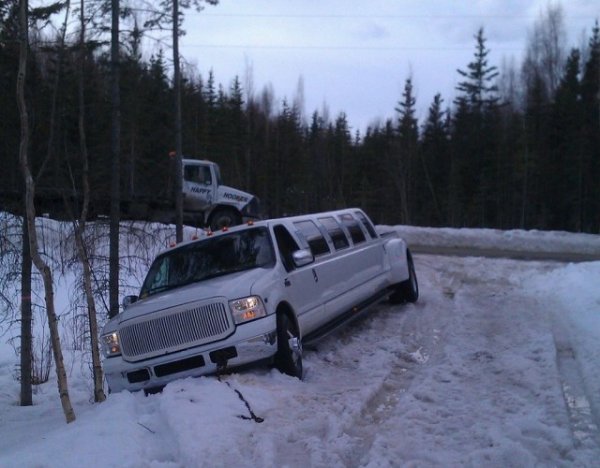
[246, 309]
[110, 344]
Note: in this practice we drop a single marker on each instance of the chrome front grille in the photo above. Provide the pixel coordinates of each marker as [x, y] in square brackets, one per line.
[174, 330]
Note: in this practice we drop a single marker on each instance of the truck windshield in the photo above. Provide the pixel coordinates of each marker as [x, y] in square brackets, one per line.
[217, 256]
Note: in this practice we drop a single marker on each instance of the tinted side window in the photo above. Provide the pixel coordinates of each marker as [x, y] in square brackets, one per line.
[198, 174]
[191, 173]
[367, 224]
[316, 241]
[340, 241]
[353, 228]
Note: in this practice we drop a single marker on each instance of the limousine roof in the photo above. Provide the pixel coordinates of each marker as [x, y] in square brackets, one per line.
[311, 216]
[287, 220]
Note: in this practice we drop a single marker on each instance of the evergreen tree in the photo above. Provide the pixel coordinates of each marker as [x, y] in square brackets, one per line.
[317, 160]
[406, 152]
[342, 160]
[10, 179]
[148, 115]
[511, 167]
[210, 98]
[475, 138]
[478, 87]
[590, 106]
[537, 129]
[238, 139]
[435, 160]
[563, 189]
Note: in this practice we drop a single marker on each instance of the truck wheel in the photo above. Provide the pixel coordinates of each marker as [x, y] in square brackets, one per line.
[407, 291]
[288, 359]
[224, 217]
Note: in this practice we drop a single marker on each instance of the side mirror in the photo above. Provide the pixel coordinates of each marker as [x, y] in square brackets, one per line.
[303, 257]
[128, 300]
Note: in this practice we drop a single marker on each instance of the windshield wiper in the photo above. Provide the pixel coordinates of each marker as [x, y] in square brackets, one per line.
[157, 289]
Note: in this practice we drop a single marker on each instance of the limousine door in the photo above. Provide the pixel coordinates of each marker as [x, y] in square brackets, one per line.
[360, 264]
[301, 283]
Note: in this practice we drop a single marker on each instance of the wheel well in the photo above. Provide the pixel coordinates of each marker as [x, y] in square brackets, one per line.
[397, 253]
[220, 209]
[285, 309]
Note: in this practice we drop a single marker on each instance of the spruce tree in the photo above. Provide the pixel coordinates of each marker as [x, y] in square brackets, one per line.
[406, 152]
[590, 105]
[435, 160]
[475, 139]
[564, 178]
[478, 86]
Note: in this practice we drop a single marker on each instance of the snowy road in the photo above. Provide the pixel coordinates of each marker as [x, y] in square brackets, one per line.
[462, 251]
[489, 368]
[473, 374]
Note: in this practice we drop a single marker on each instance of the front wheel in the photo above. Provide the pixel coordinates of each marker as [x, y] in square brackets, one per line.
[288, 359]
[224, 217]
[408, 290]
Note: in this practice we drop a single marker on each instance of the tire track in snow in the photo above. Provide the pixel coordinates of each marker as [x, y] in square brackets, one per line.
[584, 426]
[356, 377]
[155, 426]
[417, 338]
[406, 332]
[387, 392]
[495, 361]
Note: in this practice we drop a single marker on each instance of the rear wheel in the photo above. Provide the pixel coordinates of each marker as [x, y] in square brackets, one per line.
[288, 359]
[408, 290]
[224, 217]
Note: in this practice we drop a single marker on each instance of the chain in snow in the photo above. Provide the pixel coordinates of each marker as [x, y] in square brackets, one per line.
[253, 417]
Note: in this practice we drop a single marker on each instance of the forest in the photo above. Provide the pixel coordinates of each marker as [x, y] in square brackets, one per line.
[519, 147]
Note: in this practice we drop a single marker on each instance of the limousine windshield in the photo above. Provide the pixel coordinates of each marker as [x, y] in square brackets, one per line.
[209, 258]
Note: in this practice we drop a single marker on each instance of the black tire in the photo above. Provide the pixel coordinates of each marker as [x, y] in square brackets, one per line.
[288, 359]
[224, 217]
[407, 291]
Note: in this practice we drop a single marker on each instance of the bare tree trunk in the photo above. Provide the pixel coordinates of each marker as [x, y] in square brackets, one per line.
[178, 125]
[39, 263]
[99, 395]
[115, 186]
[26, 320]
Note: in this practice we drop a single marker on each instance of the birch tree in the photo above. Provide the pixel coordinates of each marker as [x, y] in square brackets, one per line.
[79, 225]
[37, 259]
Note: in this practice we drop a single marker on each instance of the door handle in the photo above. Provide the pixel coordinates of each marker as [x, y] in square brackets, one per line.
[315, 275]
[287, 283]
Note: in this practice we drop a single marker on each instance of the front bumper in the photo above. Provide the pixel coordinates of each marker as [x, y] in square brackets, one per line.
[245, 347]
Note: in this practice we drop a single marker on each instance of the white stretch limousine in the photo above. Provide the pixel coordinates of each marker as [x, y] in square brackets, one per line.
[252, 293]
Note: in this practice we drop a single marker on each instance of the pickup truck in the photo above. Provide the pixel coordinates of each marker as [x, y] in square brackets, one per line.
[253, 292]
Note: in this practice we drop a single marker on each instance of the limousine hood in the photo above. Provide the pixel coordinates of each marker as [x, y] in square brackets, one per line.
[231, 286]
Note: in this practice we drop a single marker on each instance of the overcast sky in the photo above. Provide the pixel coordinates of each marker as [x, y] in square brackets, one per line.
[356, 55]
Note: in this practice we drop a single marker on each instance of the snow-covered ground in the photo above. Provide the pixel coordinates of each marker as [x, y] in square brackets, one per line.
[498, 364]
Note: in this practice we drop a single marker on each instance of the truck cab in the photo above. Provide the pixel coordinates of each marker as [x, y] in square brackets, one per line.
[205, 197]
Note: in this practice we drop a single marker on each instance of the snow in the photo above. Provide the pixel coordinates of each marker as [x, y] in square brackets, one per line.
[497, 364]
[512, 240]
